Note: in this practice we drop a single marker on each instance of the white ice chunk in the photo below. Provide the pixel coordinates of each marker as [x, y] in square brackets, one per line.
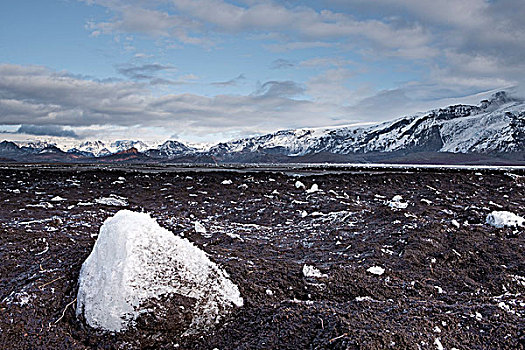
[396, 203]
[134, 261]
[57, 199]
[438, 344]
[313, 189]
[311, 271]
[199, 228]
[504, 218]
[299, 184]
[227, 182]
[376, 270]
[113, 200]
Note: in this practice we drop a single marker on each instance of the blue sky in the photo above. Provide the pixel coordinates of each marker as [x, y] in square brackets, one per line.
[210, 70]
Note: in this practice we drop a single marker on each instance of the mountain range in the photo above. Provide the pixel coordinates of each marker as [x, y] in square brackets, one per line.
[492, 132]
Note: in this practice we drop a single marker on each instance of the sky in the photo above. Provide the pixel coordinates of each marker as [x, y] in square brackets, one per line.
[214, 70]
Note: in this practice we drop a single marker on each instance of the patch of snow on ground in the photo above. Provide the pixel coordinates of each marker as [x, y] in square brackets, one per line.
[504, 218]
[311, 271]
[135, 260]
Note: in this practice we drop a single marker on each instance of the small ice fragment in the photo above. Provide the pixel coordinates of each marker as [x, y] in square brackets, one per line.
[437, 329]
[112, 200]
[455, 223]
[313, 189]
[227, 182]
[199, 228]
[366, 298]
[438, 344]
[57, 199]
[299, 184]
[269, 292]
[311, 271]
[504, 218]
[304, 214]
[316, 214]
[376, 270]
[395, 203]
[478, 316]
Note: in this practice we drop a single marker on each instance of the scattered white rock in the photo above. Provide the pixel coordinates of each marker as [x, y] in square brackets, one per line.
[227, 182]
[312, 271]
[135, 260]
[504, 218]
[396, 203]
[299, 184]
[376, 270]
[313, 189]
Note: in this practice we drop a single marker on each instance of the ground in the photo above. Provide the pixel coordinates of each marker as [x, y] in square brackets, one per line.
[449, 279]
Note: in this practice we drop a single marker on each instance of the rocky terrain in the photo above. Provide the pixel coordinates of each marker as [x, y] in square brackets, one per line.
[366, 259]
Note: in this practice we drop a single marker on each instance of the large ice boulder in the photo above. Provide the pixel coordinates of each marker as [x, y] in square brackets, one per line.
[135, 263]
[504, 218]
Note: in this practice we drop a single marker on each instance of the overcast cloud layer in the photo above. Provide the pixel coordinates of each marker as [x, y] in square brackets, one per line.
[327, 63]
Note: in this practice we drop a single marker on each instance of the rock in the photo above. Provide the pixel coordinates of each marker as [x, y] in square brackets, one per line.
[135, 263]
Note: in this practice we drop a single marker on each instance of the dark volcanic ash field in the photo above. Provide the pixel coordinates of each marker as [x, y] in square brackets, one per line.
[450, 280]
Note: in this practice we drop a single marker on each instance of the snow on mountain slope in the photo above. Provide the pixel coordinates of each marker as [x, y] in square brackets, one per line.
[124, 145]
[170, 149]
[497, 125]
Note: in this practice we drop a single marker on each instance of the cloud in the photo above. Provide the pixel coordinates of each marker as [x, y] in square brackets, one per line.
[281, 64]
[46, 130]
[194, 21]
[457, 38]
[285, 89]
[34, 95]
[231, 82]
[143, 72]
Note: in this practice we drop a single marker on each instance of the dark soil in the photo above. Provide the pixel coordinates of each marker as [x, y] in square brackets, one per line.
[462, 286]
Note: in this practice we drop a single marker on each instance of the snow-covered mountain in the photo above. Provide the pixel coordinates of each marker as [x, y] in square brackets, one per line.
[495, 126]
[96, 148]
[124, 145]
[170, 149]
